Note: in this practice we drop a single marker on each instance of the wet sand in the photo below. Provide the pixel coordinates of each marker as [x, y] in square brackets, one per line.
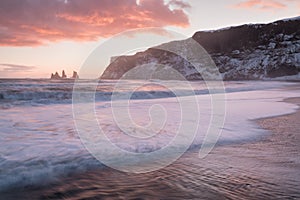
[264, 169]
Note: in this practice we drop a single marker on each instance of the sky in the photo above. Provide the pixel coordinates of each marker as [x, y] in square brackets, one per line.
[38, 37]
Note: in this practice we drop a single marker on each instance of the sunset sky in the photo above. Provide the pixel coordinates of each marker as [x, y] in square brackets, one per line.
[38, 37]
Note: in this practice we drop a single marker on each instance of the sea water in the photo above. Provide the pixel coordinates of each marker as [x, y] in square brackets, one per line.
[39, 142]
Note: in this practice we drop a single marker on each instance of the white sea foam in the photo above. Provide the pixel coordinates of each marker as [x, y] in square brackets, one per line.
[45, 92]
[41, 141]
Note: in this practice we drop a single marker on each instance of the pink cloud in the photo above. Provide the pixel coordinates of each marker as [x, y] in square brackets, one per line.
[179, 3]
[261, 4]
[37, 22]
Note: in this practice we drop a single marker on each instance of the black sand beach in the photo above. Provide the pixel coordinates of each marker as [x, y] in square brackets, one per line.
[264, 169]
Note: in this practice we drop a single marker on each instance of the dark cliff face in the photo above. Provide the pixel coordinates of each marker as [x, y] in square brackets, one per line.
[244, 52]
[248, 37]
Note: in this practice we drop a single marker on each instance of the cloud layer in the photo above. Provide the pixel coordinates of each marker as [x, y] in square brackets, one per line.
[264, 4]
[15, 68]
[36, 22]
[12, 70]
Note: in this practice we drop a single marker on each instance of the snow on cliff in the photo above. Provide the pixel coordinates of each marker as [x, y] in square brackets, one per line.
[253, 51]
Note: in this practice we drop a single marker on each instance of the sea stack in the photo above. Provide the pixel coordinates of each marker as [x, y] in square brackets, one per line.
[55, 76]
[75, 75]
[63, 74]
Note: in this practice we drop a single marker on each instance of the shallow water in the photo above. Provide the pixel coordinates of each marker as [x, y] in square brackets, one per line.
[41, 155]
[216, 177]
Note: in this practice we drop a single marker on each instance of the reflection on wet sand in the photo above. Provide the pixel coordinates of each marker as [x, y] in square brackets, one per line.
[265, 169]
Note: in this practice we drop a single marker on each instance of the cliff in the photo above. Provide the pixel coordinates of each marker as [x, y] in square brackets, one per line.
[246, 52]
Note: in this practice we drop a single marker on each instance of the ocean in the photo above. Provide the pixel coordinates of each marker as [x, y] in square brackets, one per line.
[48, 149]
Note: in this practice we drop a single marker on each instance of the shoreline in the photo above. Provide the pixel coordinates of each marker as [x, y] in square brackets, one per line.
[266, 168]
[273, 160]
[263, 169]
